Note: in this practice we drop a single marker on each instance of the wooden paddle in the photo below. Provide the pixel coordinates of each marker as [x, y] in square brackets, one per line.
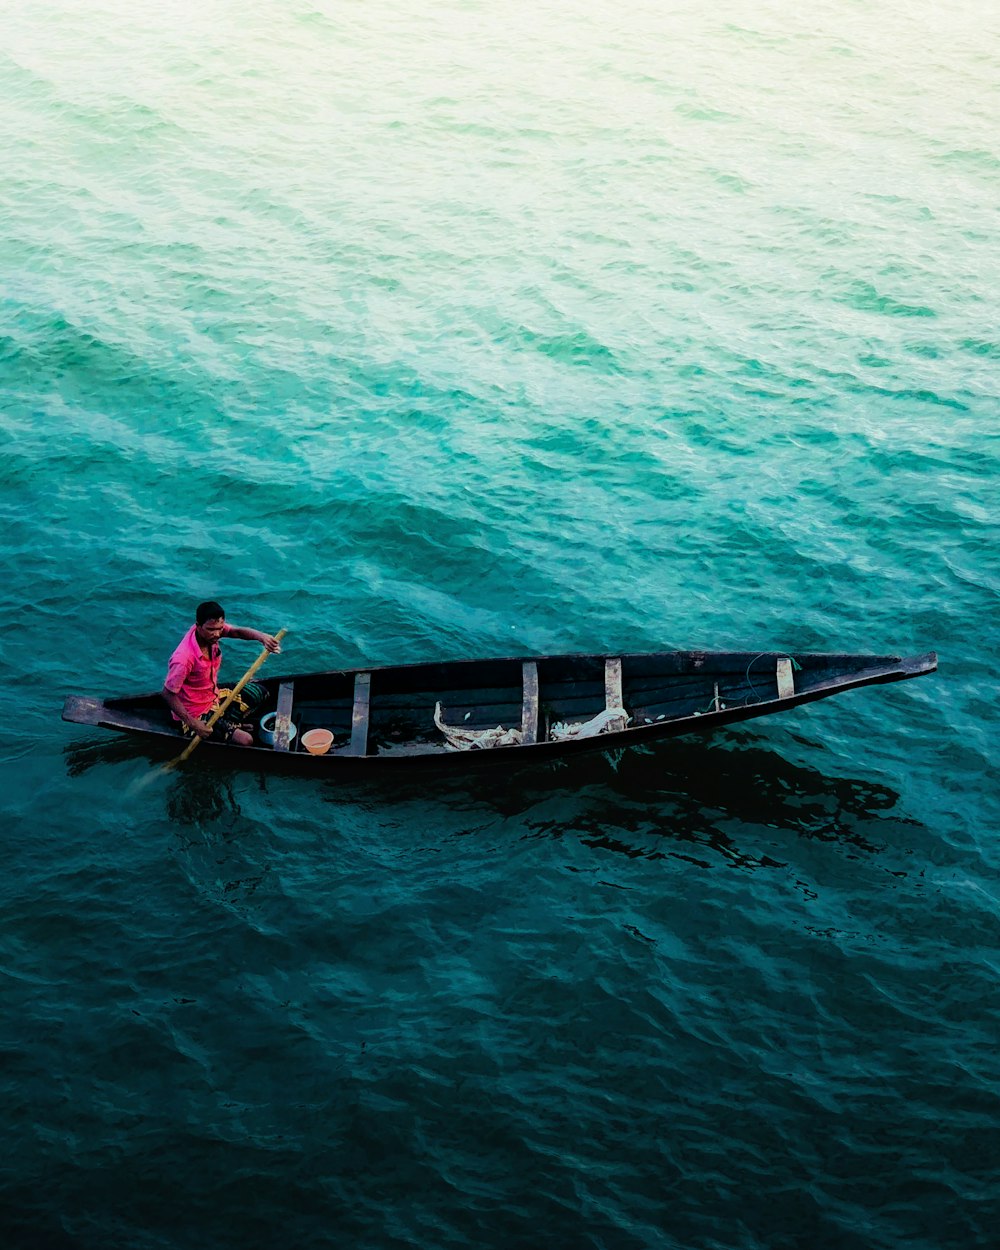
[225, 704]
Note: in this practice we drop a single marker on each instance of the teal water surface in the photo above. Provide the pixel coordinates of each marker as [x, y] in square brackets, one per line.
[459, 330]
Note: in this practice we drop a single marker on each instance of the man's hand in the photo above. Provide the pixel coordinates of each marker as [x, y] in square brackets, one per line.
[201, 729]
[271, 643]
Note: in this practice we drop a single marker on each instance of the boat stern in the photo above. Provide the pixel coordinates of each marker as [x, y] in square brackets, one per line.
[82, 710]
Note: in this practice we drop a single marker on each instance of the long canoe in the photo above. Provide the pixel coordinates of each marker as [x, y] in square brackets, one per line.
[456, 714]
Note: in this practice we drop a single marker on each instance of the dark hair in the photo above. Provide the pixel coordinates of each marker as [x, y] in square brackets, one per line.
[209, 611]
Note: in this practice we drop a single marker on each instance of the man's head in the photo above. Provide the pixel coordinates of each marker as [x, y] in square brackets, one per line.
[209, 611]
[209, 620]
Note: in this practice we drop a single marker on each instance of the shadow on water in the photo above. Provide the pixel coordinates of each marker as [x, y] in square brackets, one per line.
[681, 798]
[198, 798]
[751, 785]
[194, 796]
[687, 798]
[81, 757]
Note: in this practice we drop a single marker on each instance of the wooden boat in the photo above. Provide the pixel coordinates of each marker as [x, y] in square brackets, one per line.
[455, 714]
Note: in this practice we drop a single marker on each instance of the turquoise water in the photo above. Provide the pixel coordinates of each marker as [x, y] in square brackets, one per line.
[469, 330]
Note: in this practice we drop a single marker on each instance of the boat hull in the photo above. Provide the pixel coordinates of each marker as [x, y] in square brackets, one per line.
[445, 716]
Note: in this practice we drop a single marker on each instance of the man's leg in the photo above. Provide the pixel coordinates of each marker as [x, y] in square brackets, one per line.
[236, 717]
[222, 730]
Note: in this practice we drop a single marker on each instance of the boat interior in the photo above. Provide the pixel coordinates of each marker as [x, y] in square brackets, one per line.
[430, 708]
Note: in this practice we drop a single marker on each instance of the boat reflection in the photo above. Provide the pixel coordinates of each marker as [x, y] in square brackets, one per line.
[709, 797]
[81, 757]
[194, 796]
[680, 798]
[198, 799]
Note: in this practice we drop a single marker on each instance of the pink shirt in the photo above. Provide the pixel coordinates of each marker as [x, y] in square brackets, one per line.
[192, 676]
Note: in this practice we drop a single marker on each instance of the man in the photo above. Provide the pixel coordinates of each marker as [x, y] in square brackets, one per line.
[191, 687]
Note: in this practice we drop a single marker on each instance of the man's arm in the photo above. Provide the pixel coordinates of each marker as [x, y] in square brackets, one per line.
[173, 701]
[254, 635]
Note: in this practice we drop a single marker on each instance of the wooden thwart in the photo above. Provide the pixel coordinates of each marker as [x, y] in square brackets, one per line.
[613, 685]
[786, 683]
[529, 703]
[362, 707]
[283, 718]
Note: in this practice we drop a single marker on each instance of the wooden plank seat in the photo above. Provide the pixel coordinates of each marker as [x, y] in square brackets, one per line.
[786, 682]
[283, 717]
[362, 709]
[613, 685]
[614, 703]
[529, 701]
